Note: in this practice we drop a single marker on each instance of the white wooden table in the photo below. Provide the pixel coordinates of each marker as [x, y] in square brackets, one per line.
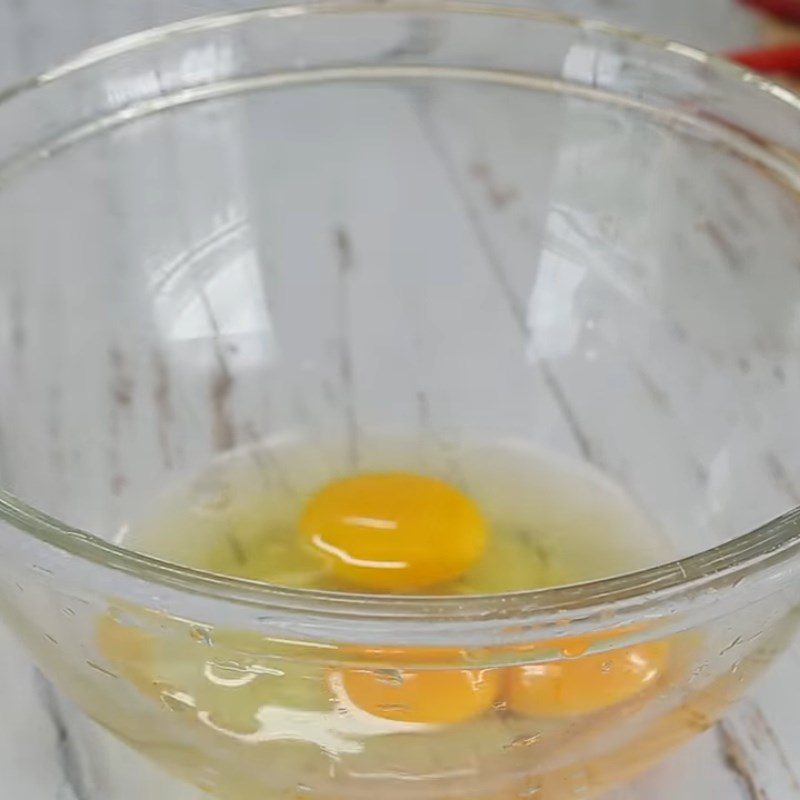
[754, 753]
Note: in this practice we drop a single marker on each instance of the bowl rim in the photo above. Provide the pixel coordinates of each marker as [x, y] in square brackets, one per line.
[761, 550]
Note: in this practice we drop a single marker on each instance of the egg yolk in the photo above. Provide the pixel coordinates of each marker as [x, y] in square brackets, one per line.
[437, 696]
[587, 683]
[394, 531]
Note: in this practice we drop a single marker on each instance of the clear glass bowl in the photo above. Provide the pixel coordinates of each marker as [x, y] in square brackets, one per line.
[321, 223]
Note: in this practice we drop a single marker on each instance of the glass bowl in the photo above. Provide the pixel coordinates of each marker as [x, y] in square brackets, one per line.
[454, 223]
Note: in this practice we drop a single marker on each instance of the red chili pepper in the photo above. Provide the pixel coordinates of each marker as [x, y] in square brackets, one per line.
[784, 58]
[788, 10]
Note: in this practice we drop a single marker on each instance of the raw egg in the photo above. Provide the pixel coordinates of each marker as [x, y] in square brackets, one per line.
[586, 683]
[394, 531]
[436, 695]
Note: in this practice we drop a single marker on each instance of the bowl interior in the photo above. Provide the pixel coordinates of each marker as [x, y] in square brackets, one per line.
[264, 234]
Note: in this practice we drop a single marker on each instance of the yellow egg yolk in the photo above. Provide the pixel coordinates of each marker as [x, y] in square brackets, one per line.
[394, 531]
[435, 695]
[587, 683]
